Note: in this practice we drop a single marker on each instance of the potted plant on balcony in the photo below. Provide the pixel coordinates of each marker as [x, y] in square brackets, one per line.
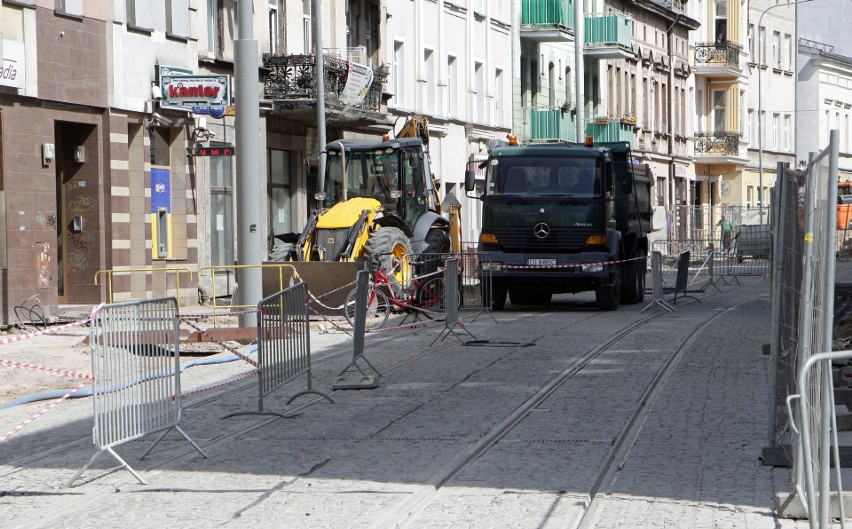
[628, 120]
[601, 120]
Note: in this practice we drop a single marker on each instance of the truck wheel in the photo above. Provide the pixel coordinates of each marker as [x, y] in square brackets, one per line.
[609, 296]
[387, 248]
[634, 279]
[518, 296]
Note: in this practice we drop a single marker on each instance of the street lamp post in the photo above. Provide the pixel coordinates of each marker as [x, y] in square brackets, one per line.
[761, 45]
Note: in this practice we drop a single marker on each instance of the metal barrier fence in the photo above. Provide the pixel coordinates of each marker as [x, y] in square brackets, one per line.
[283, 345]
[815, 423]
[474, 280]
[452, 301]
[136, 365]
[749, 256]
[110, 273]
[286, 276]
[657, 284]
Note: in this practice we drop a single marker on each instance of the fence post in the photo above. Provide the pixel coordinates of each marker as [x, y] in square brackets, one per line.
[657, 283]
[451, 301]
[353, 376]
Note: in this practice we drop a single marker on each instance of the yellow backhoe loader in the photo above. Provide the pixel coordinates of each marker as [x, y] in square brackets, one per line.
[379, 201]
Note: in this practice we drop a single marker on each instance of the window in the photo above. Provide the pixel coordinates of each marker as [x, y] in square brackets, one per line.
[177, 17]
[721, 26]
[741, 109]
[273, 27]
[212, 26]
[749, 196]
[568, 80]
[788, 53]
[500, 93]
[71, 7]
[307, 31]
[776, 126]
[399, 74]
[718, 110]
[699, 110]
[429, 76]
[776, 49]
[786, 133]
[221, 211]
[479, 81]
[551, 85]
[761, 45]
[751, 124]
[751, 43]
[138, 15]
[280, 191]
[452, 86]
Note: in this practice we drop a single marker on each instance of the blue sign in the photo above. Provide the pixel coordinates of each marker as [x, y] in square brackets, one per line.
[161, 190]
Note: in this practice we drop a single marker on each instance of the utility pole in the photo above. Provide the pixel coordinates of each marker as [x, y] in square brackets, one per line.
[579, 72]
[247, 124]
[316, 21]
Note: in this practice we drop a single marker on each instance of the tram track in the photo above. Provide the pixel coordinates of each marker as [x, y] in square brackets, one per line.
[402, 514]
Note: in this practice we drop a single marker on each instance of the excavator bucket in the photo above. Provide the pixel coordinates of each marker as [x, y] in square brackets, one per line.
[328, 283]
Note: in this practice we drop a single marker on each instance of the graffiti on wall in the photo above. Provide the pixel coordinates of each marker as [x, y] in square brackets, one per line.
[43, 275]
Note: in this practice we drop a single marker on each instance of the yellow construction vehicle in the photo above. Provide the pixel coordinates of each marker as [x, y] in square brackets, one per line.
[379, 201]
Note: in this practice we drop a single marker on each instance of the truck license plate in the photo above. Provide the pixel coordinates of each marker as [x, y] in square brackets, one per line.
[541, 262]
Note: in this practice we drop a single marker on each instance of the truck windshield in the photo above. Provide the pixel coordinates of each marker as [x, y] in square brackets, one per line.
[369, 174]
[576, 177]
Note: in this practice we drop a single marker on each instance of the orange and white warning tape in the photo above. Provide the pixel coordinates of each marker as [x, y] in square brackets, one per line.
[49, 370]
[41, 412]
[573, 265]
[22, 337]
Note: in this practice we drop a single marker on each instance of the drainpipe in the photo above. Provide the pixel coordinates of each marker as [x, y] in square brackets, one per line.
[579, 73]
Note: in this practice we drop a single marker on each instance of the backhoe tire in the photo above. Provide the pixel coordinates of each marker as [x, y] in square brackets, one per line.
[386, 248]
[437, 244]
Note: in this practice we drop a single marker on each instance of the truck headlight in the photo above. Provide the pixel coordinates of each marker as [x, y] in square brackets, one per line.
[592, 267]
[490, 266]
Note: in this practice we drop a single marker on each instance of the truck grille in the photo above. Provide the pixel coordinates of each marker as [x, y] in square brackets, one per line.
[559, 239]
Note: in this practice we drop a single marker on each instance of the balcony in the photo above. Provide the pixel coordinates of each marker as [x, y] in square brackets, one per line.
[718, 59]
[610, 129]
[718, 147]
[291, 87]
[547, 20]
[608, 37]
[550, 124]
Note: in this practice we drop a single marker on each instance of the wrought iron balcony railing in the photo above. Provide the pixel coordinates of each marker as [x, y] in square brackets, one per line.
[292, 80]
[718, 54]
[721, 143]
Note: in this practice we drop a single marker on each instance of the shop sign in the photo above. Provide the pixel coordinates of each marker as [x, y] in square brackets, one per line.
[12, 66]
[205, 94]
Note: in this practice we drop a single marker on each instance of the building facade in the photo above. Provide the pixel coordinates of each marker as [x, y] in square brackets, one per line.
[824, 73]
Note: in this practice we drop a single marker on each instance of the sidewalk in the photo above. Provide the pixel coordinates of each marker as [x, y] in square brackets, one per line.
[363, 460]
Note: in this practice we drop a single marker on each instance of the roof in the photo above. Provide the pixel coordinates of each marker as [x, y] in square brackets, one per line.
[367, 144]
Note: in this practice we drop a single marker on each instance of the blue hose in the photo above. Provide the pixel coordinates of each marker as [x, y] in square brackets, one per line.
[87, 392]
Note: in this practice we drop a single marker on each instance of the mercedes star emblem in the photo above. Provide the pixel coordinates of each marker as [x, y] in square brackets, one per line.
[541, 230]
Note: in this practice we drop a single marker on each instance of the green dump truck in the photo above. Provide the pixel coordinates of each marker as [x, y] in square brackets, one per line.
[564, 218]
